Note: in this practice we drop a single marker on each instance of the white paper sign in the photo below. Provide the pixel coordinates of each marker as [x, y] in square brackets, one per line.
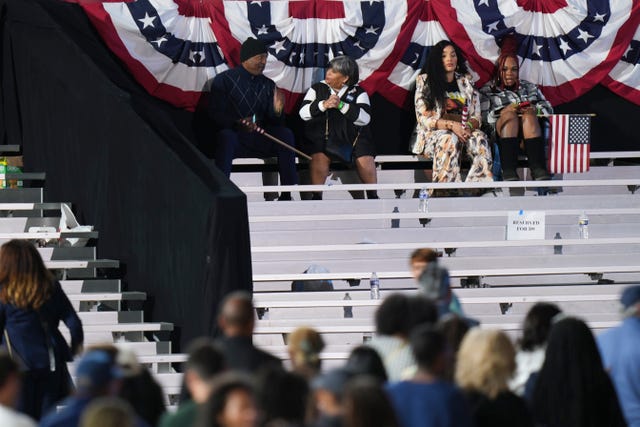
[526, 225]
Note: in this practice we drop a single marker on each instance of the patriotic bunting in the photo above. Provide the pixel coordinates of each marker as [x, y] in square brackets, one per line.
[175, 47]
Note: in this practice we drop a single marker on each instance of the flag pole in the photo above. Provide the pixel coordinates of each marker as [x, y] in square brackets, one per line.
[261, 131]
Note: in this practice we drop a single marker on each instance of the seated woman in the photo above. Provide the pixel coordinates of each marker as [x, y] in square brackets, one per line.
[511, 106]
[338, 109]
[448, 117]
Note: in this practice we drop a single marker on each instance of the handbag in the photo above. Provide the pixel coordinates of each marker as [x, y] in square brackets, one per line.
[338, 150]
[15, 356]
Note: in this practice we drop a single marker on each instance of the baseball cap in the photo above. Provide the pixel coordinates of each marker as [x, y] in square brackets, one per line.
[95, 370]
[630, 296]
[334, 381]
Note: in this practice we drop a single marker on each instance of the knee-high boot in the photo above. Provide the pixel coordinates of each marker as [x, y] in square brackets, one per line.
[534, 148]
[509, 149]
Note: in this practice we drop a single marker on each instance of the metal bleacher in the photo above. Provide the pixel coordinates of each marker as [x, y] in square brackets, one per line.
[109, 313]
[497, 280]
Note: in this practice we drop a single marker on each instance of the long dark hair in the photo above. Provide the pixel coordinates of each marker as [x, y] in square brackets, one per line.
[24, 280]
[537, 325]
[367, 405]
[573, 389]
[436, 84]
[226, 384]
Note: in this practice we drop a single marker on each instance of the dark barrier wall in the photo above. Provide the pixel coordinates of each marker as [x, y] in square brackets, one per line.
[179, 227]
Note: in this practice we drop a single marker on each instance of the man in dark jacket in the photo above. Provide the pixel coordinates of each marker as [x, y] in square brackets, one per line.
[236, 320]
[243, 98]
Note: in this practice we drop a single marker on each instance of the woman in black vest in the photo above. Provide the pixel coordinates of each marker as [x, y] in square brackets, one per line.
[337, 113]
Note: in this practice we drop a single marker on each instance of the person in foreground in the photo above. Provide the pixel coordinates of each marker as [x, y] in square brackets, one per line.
[232, 403]
[535, 332]
[236, 319]
[620, 350]
[511, 107]
[449, 118]
[337, 111]
[243, 98]
[427, 399]
[97, 376]
[572, 389]
[9, 391]
[205, 362]
[486, 362]
[32, 304]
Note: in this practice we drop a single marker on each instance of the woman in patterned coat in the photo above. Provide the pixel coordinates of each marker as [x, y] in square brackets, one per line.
[444, 90]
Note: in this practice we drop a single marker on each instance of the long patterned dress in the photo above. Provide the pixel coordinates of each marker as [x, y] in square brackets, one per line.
[443, 146]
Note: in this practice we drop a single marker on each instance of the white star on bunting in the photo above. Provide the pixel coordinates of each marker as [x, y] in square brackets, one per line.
[262, 30]
[564, 46]
[147, 21]
[584, 35]
[372, 30]
[599, 17]
[160, 40]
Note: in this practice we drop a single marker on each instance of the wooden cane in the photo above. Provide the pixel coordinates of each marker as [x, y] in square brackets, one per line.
[261, 131]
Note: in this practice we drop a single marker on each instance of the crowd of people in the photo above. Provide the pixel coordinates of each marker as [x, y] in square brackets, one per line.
[453, 119]
[428, 365]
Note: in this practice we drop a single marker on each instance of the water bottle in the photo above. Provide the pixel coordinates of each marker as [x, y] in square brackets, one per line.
[423, 205]
[395, 222]
[348, 310]
[557, 249]
[374, 284]
[583, 225]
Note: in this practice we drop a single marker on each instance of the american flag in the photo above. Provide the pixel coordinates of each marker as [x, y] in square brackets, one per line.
[175, 47]
[569, 143]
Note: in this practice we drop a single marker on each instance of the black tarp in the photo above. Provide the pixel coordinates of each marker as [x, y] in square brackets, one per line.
[178, 226]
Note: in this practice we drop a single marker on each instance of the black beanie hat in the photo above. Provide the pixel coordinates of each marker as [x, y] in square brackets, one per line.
[250, 48]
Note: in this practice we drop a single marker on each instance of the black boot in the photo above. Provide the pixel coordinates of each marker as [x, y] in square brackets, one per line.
[534, 148]
[509, 149]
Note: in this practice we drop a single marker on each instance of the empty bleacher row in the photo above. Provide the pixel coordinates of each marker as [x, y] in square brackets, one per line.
[351, 239]
[109, 313]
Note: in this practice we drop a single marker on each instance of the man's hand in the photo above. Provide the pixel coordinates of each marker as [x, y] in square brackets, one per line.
[247, 124]
[278, 101]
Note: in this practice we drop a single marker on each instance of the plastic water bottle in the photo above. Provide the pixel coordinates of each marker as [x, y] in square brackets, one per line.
[557, 249]
[374, 284]
[348, 310]
[395, 222]
[583, 225]
[423, 205]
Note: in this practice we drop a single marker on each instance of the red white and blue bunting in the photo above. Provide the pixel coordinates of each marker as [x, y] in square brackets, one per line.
[175, 47]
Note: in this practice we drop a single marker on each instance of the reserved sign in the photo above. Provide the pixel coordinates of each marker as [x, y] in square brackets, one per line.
[526, 225]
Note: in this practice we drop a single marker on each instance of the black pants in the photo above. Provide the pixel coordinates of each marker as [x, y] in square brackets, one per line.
[42, 389]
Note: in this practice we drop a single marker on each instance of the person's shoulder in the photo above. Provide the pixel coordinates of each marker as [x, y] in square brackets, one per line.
[421, 78]
[10, 417]
[528, 85]
[609, 337]
[225, 75]
[357, 89]
[487, 88]
[465, 77]
[265, 355]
